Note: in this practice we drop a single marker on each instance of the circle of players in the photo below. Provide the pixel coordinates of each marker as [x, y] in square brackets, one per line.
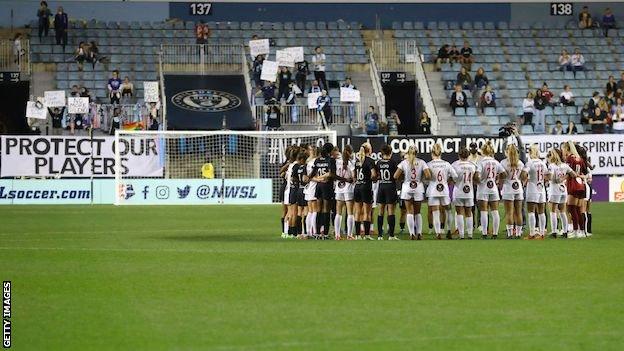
[322, 185]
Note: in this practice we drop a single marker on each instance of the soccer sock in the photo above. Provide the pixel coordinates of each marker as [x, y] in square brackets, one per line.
[299, 225]
[459, 224]
[532, 224]
[391, 219]
[564, 221]
[436, 221]
[510, 228]
[313, 225]
[350, 224]
[495, 222]
[283, 232]
[337, 224]
[367, 225]
[469, 226]
[286, 225]
[585, 221]
[589, 222]
[449, 219]
[553, 222]
[484, 222]
[380, 225]
[518, 230]
[318, 222]
[572, 210]
[357, 227]
[542, 223]
[418, 223]
[402, 225]
[410, 223]
[326, 229]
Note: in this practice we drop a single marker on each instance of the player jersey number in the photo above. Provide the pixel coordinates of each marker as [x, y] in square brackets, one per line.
[385, 174]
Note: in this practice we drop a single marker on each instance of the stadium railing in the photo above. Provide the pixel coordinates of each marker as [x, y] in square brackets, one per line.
[300, 114]
[202, 58]
[9, 61]
[163, 97]
[376, 81]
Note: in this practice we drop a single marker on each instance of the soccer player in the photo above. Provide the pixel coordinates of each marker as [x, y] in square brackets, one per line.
[438, 190]
[310, 193]
[323, 173]
[363, 192]
[413, 171]
[386, 194]
[298, 208]
[290, 194]
[586, 201]
[487, 191]
[283, 188]
[536, 192]
[559, 171]
[576, 188]
[513, 193]
[463, 194]
[345, 174]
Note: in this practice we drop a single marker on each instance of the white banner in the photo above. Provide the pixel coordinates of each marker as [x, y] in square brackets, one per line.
[33, 112]
[312, 97]
[616, 189]
[349, 95]
[259, 47]
[284, 58]
[410, 58]
[296, 53]
[150, 92]
[75, 156]
[78, 105]
[606, 151]
[269, 70]
[54, 98]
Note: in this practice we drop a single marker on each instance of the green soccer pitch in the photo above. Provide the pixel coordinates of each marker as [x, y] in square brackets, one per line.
[221, 278]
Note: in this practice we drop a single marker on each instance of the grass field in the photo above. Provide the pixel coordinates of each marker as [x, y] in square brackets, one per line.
[220, 278]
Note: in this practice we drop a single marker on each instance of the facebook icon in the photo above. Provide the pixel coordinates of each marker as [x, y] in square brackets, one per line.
[145, 192]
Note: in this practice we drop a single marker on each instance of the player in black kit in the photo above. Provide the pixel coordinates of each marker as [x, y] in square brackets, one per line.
[386, 193]
[363, 193]
[323, 173]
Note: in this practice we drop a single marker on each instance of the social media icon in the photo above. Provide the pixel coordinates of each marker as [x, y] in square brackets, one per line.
[162, 192]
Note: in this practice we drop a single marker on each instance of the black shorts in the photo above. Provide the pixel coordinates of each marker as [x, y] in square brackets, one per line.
[282, 188]
[386, 194]
[325, 191]
[363, 193]
[292, 196]
[301, 201]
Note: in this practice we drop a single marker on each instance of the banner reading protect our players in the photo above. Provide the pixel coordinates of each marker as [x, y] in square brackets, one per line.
[76, 156]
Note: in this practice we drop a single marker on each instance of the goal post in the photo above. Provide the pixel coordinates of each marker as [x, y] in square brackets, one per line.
[204, 167]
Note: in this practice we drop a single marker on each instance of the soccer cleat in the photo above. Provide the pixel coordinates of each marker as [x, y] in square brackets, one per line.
[393, 238]
[368, 237]
[469, 238]
[553, 235]
[419, 237]
[539, 237]
[495, 236]
[291, 236]
[588, 235]
[580, 234]
[530, 237]
[337, 237]
[449, 236]
[509, 237]
[350, 237]
[484, 237]
[571, 235]
[284, 235]
[439, 236]
[358, 237]
[380, 238]
[412, 237]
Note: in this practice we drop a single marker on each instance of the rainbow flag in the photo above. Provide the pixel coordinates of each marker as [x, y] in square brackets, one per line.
[133, 126]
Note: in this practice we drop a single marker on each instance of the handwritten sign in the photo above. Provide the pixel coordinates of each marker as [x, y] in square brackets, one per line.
[284, 58]
[259, 47]
[54, 98]
[312, 97]
[349, 95]
[269, 71]
[150, 92]
[78, 105]
[296, 53]
[33, 112]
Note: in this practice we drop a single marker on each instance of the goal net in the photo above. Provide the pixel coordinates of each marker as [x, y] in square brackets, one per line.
[204, 167]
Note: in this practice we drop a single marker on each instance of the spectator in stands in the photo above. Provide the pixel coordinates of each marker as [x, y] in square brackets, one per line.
[547, 94]
[480, 82]
[598, 120]
[114, 86]
[84, 92]
[557, 129]
[324, 106]
[458, 99]
[593, 102]
[488, 99]
[539, 105]
[371, 120]
[285, 77]
[350, 105]
[93, 54]
[61, 23]
[43, 15]
[315, 88]
[57, 114]
[202, 33]
[18, 51]
[619, 104]
[115, 121]
[268, 92]
[611, 85]
[153, 123]
[153, 111]
[273, 117]
[585, 19]
[257, 70]
[464, 79]
[565, 61]
[608, 21]
[318, 61]
[80, 55]
[610, 98]
[394, 122]
[75, 91]
[585, 114]
[303, 69]
[566, 98]
[127, 89]
[528, 109]
[454, 54]
[424, 124]
[620, 83]
[571, 128]
[466, 55]
[617, 116]
[291, 100]
[578, 61]
[444, 56]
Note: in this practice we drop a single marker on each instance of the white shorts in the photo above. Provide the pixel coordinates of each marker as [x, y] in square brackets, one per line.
[286, 196]
[557, 199]
[513, 197]
[348, 196]
[467, 202]
[488, 197]
[416, 194]
[588, 192]
[538, 198]
[438, 201]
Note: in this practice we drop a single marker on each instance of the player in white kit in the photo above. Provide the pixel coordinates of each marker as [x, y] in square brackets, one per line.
[310, 193]
[344, 184]
[487, 191]
[413, 171]
[536, 192]
[559, 171]
[438, 189]
[513, 192]
[463, 193]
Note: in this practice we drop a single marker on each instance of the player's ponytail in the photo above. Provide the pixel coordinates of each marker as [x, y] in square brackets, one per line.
[346, 156]
[463, 153]
[571, 148]
[386, 150]
[534, 151]
[487, 149]
[436, 150]
[411, 156]
[365, 149]
[553, 157]
[512, 155]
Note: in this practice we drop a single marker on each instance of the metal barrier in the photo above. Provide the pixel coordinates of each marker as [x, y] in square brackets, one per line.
[12, 60]
[300, 114]
[202, 58]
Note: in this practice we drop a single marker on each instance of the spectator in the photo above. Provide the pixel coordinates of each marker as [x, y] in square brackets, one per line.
[578, 61]
[619, 104]
[466, 55]
[566, 98]
[153, 123]
[127, 89]
[488, 99]
[371, 119]
[394, 122]
[454, 54]
[528, 108]
[75, 91]
[61, 23]
[318, 61]
[80, 55]
[18, 51]
[617, 117]
[314, 88]
[571, 128]
[285, 77]
[57, 114]
[273, 117]
[350, 105]
[291, 100]
[43, 15]
[557, 129]
[202, 33]
[444, 56]
[598, 120]
[268, 92]
[540, 104]
[257, 70]
[608, 21]
[84, 92]
[480, 79]
[115, 121]
[303, 70]
[585, 19]
[585, 114]
[620, 83]
[611, 85]
[464, 79]
[324, 107]
[565, 61]
[153, 111]
[547, 94]
[459, 99]
[114, 85]
[424, 124]
[593, 102]
[610, 98]
[93, 54]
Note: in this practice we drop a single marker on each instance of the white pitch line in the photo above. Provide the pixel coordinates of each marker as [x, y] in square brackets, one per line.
[253, 250]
